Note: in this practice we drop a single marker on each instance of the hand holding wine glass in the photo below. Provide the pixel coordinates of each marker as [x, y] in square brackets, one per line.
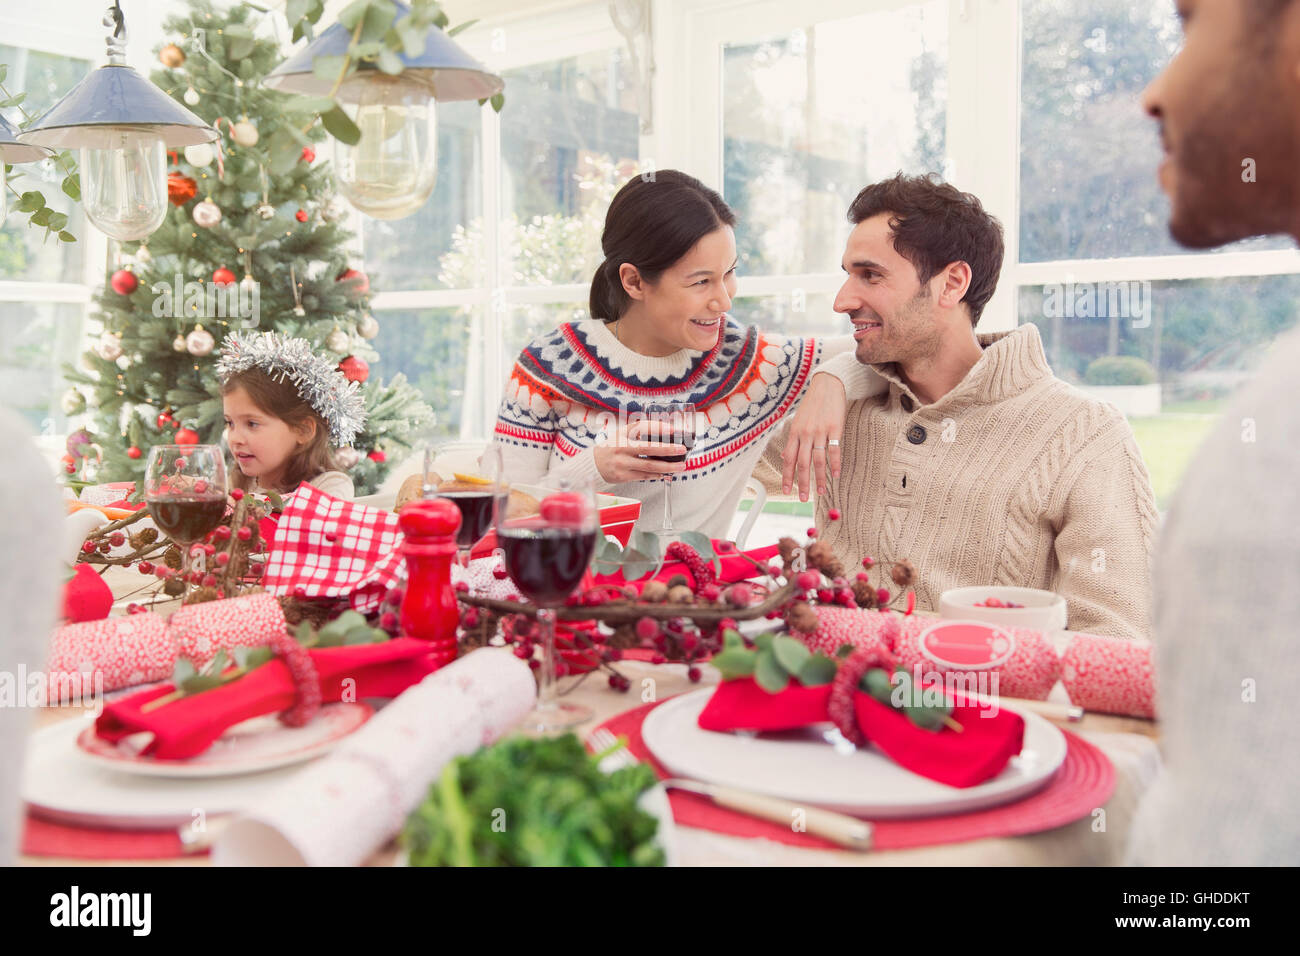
[185, 492]
[673, 424]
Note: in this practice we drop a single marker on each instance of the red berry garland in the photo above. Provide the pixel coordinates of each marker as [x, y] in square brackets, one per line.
[700, 570]
[845, 685]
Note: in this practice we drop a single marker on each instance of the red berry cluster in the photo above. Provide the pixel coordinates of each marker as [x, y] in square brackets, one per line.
[306, 680]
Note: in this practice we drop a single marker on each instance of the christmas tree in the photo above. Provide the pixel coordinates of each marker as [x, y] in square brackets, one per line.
[254, 239]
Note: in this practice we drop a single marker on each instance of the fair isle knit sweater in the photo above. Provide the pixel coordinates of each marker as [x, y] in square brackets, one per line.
[573, 386]
[1012, 478]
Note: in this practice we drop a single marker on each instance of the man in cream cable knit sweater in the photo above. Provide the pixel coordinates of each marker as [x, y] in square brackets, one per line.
[977, 465]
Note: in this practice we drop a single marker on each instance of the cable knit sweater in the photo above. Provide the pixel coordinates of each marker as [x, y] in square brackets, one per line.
[1014, 477]
[571, 386]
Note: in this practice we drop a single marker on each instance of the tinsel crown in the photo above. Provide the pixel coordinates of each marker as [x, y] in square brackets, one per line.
[320, 384]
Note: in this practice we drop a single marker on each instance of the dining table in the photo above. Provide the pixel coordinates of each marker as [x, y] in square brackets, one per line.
[1097, 839]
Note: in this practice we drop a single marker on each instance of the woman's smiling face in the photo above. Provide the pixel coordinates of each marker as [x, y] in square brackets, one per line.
[686, 308]
[261, 444]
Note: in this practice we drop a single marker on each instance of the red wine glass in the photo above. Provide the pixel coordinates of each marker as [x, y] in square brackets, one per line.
[546, 556]
[674, 425]
[185, 492]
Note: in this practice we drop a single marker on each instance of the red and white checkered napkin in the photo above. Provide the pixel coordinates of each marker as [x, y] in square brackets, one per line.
[329, 547]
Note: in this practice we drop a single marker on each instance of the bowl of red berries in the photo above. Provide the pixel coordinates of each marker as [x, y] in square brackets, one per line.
[1017, 607]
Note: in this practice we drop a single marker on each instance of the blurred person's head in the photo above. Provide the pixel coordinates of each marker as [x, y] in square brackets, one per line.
[1229, 112]
[669, 273]
[922, 261]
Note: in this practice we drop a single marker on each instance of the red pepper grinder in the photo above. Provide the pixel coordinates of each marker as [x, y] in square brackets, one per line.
[429, 609]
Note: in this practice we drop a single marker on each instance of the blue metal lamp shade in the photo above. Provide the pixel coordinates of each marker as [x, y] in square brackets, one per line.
[112, 98]
[450, 72]
[12, 151]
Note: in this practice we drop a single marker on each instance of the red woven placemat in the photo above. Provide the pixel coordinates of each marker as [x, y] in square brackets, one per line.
[47, 838]
[1083, 783]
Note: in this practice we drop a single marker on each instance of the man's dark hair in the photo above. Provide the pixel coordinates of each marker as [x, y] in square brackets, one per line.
[935, 224]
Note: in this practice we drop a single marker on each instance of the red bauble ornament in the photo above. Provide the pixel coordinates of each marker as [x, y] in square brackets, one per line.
[354, 369]
[308, 154]
[377, 456]
[301, 215]
[133, 452]
[223, 276]
[180, 189]
[165, 419]
[360, 281]
[124, 282]
[186, 436]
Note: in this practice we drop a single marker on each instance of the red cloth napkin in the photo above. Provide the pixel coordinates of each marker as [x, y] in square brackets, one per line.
[188, 726]
[735, 566]
[86, 596]
[960, 759]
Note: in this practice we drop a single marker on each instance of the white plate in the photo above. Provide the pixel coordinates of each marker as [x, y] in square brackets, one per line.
[262, 743]
[818, 767]
[59, 784]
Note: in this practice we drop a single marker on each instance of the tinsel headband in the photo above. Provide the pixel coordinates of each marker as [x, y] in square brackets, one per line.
[320, 384]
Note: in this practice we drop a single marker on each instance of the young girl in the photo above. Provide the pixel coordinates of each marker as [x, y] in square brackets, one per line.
[284, 406]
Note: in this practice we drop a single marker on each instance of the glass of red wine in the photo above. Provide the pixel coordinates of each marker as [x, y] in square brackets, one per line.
[185, 492]
[546, 556]
[674, 425]
[477, 500]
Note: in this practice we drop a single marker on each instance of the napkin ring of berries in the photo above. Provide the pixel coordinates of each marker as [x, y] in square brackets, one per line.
[306, 680]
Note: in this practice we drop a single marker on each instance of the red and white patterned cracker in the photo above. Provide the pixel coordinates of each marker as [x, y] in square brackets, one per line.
[200, 630]
[1030, 668]
[141, 648]
[851, 625]
[1112, 675]
[122, 651]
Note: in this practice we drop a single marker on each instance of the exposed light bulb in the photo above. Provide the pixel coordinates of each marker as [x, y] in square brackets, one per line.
[391, 172]
[124, 182]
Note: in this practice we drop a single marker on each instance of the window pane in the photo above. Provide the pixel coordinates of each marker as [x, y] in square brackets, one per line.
[24, 251]
[431, 348]
[36, 338]
[795, 313]
[526, 322]
[1201, 338]
[805, 128]
[569, 139]
[405, 254]
[1088, 154]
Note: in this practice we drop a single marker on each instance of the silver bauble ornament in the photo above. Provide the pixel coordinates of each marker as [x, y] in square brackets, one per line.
[247, 285]
[143, 255]
[347, 457]
[191, 97]
[109, 347]
[123, 362]
[207, 214]
[73, 402]
[244, 133]
[264, 210]
[338, 341]
[178, 343]
[368, 326]
[199, 342]
[333, 210]
[200, 154]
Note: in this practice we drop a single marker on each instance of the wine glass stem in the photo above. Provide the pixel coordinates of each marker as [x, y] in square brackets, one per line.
[668, 507]
[546, 686]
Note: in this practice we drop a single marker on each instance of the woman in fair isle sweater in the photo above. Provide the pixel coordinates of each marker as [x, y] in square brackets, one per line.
[658, 332]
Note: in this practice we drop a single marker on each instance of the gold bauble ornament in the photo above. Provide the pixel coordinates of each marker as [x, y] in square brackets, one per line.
[172, 56]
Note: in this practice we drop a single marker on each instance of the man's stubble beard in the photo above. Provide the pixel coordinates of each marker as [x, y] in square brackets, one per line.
[910, 336]
[1212, 203]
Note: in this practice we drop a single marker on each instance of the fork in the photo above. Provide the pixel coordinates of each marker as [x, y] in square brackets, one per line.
[839, 828]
